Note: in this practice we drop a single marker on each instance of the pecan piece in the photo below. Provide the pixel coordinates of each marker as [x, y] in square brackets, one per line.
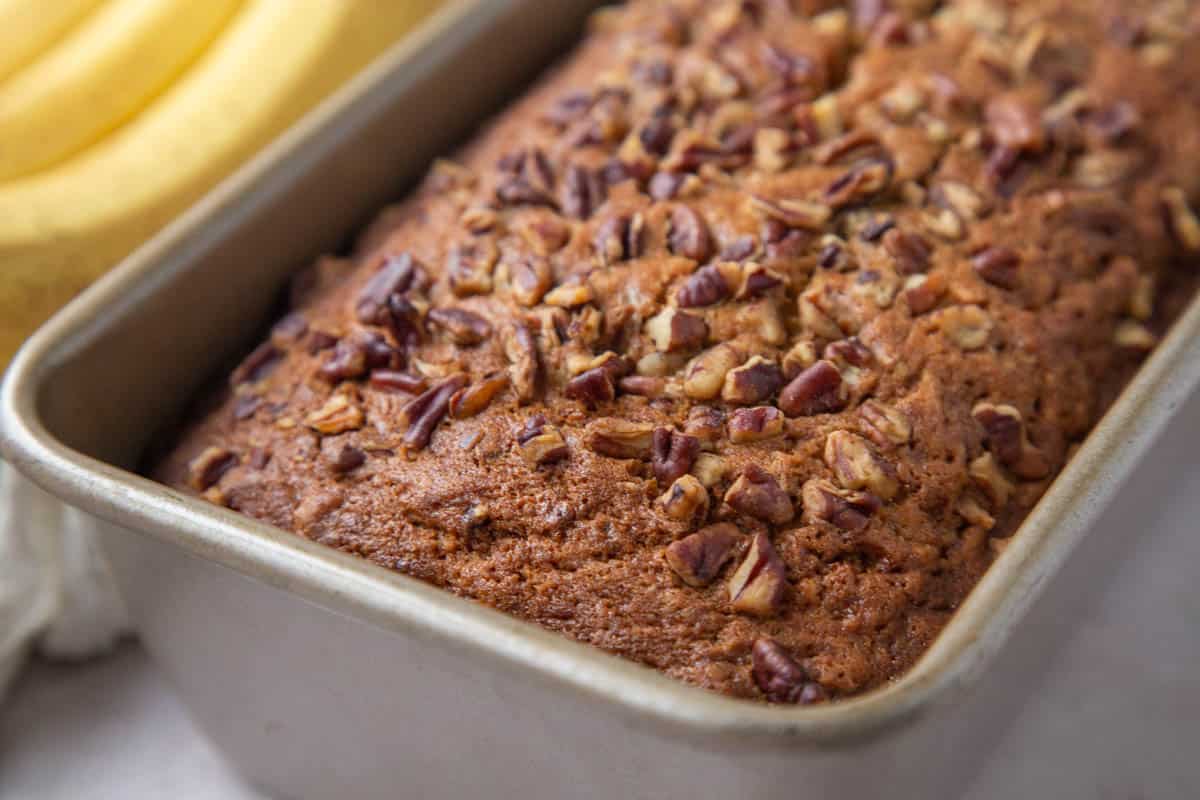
[394, 277]
[924, 292]
[521, 350]
[469, 267]
[475, 398]
[617, 438]
[999, 266]
[856, 467]
[847, 509]
[1182, 220]
[816, 390]
[541, 443]
[704, 287]
[759, 586]
[619, 238]
[672, 329]
[529, 279]
[688, 235]
[969, 327]
[1008, 440]
[910, 251]
[780, 678]
[755, 424]
[686, 500]
[697, 559]
[1134, 335]
[592, 387]
[207, 468]
[569, 295]
[583, 192]
[884, 425]
[422, 415]
[348, 459]
[988, 476]
[705, 423]
[340, 413]
[757, 280]
[709, 469]
[706, 374]
[462, 326]
[643, 385]
[801, 214]
[754, 382]
[862, 182]
[257, 365]
[672, 454]
[757, 494]
[394, 380]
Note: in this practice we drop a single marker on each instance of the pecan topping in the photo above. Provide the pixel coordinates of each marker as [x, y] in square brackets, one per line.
[757, 280]
[340, 413]
[672, 454]
[847, 509]
[290, 329]
[697, 559]
[530, 278]
[462, 326]
[856, 467]
[348, 459]
[521, 349]
[780, 678]
[1134, 335]
[801, 214]
[754, 382]
[969, 327]
[861, 183]
[755, 424]
[544, 232]
[1181, 219]
[884, 425]
[666, 185]
[354, 355]
[643, 385]
[257, 365]
[704, 287]
[1015, 124]
[617, 438]
[924, 292]
[422, 415]
[530, 180]
[207, 468]
[910, 250]
[759, 586]
[394, 380]
[672, 329]
[1008, 441]
[619, 238]
[541, 443]
[816, 390]
[705, 423]
[475, 398]
[998, 266]
[592, 387]
[686, 500]
[706, 374]
[709, 469]
[688, 235]
[469, 267]
[246, 406]
[583, 192]
[569, 295]
[394, 277]
[988, 476]
[316, 341]
[757, 494]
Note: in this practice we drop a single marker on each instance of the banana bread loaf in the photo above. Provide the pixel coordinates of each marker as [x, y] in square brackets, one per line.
[741, 344]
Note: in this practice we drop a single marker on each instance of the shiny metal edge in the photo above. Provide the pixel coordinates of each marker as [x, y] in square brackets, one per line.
[391, 601]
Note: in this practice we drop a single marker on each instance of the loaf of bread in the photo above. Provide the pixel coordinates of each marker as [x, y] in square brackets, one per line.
[742, 344]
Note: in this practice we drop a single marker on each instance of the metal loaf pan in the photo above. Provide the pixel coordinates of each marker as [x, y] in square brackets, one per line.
[322, 675]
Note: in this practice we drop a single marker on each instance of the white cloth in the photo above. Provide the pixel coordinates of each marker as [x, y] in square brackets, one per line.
[56, 592]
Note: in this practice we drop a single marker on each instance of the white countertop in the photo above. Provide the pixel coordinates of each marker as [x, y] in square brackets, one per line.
[1115, 716]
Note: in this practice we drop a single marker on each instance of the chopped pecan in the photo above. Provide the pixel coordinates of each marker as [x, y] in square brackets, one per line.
[856, 467]
[705, 423]
[755, 424]
[944, 223]
[999, 266]
[1134, 335]
[592, 387]
[617, 438]
[697, 559]
[1008, 440]
[583, 192]
[671, 330]
[759, 586]
[754, 382]
[848, 509]
[340, 413]
[1015, 123]
[741, 248]
[910, 250]
[521, 350]
[569, 295]
[642, 385]
[757, 494]
[348, 459]
[672, 454]
[422, 415]
[988, 476]
[1181, 219]
[688, 235]
[395, 380]
[403, 319]
[469, 267]
[480, 219]
[862, 182]
[816, 390]
[704, 287]
[257, 365]
[757, 279]
[968, 204]
[471, 400]
[924, 292]
[771, 149]
[289, 329]
[618, 238]
[541, 443]
[394, 277]
[544, 232]
[666, 185]
[884, 424]
[709, 469]
[968, 326]
[780, 678]
[706, 374]
[246, 406]
[207, 468]
[462, 326]
[530, 278]
[686, 500]
[803, 214]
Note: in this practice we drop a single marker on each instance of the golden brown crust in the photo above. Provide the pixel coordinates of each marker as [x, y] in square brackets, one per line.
[852, 281]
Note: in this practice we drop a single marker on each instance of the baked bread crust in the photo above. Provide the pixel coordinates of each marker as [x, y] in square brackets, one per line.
[743, 342]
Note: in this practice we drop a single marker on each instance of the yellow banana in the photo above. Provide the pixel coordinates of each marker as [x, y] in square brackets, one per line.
[62, 228]
[99, 75]
[27, 27]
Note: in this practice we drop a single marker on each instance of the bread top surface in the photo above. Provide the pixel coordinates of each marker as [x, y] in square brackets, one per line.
[741, 343]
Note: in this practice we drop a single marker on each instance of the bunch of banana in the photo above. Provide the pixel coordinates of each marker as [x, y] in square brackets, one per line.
[117, 114]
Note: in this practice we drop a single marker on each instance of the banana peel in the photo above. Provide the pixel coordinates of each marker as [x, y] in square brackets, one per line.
[62, 228]
[31, 26]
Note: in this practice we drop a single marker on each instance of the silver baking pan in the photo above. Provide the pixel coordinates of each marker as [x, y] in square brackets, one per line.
[322, 675]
